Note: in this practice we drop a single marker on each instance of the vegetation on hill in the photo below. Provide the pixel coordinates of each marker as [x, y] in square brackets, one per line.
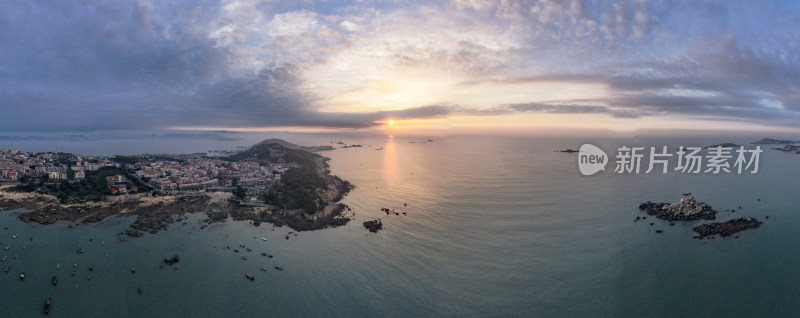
[296, 190]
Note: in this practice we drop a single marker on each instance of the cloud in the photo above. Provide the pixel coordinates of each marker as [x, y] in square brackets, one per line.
[143, 64]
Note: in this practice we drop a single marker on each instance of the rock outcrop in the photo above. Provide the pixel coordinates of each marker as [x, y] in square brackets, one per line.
[374, 225]
[686, 209]
[727, 228]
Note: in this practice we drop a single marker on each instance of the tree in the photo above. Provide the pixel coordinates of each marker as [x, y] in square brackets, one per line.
[240, 193]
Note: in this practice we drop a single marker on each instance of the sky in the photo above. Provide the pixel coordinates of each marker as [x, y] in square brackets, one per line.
[461, 65]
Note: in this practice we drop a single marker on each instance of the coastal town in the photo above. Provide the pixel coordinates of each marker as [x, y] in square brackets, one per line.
[160, 174]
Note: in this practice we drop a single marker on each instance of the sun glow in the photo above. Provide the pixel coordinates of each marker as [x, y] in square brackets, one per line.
[391, 123]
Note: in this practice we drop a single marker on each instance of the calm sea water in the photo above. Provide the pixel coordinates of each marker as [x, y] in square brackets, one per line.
[495, 227]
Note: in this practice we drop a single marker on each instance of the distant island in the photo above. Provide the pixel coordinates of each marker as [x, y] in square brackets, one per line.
[273, 181]
[770, 141]
[789, 148]
[724, 145]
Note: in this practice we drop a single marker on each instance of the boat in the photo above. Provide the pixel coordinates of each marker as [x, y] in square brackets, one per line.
[139, 289]
[243, 257]
[91, 268]
[264, 254]
[58, 266]
[55, 281]
[278, 267]
[263, 269]
[22, 275]
[7, 268]
[4, 257]
[249, 249]
[250, 277]
[7, 247]
[74, 272]
[133, 270]
[47, 305]
[263, 238]
[241, 245]
[14, 237]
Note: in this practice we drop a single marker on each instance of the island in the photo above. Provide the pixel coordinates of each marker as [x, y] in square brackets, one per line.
[374, 225]
[724, 145]
[726, 228]
[789, 148]
[689, 209]
[273, 181]
[686, 209]
[770, 141]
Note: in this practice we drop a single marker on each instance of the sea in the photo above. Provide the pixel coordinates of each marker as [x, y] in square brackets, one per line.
[489, 226]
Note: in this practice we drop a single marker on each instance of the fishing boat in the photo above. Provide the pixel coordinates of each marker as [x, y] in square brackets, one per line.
[250, 277]
[278, 267]
[47, 305]
[22, 275]
[7, 268]
[263, 238]
[133, 270]
[55, 281]
[243, 257]
[263, 269]
[58, 266]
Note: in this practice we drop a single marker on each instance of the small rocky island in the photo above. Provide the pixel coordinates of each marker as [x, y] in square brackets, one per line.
[689, 209]
[273, 181]
[686, 209]
[374, 225]
[728, 228]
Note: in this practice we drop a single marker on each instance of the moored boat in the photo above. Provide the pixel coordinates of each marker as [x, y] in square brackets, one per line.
[278, 267]
[22, 275]
[250, 277]
[55, 281]
[47, 305]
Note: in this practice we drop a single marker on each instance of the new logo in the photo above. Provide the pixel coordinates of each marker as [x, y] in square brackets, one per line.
[591, 159]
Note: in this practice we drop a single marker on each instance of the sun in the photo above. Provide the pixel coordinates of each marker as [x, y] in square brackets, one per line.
[391, 123]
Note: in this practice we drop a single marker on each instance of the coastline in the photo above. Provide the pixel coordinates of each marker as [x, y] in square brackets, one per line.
[156, 213]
